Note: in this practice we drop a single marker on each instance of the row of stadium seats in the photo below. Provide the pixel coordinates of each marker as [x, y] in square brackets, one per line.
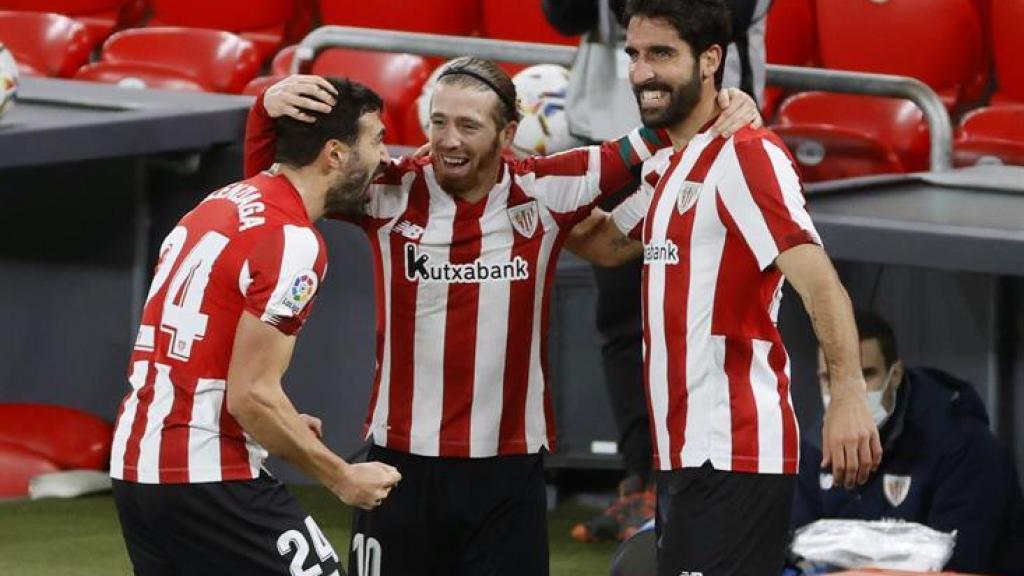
[950, 45]
[832, 135]
[271, 24]
[951, 49]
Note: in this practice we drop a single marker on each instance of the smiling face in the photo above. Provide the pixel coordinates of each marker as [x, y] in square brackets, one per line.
[465, 138]
[663, 70]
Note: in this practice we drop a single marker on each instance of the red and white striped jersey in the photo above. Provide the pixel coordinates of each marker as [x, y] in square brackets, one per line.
[463, 292]
[247, 247]
[713, 217]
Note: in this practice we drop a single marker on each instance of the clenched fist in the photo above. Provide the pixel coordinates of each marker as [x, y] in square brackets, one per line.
[367, 484]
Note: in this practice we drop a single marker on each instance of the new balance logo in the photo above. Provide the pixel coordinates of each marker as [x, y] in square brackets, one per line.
[419, 268]
[667, 253]
[408, 229]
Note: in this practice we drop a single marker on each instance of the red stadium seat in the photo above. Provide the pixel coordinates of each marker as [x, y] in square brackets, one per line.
[790, 39]
[282, 63]
[69, 438]
[177, 58]
[45, 44]
[17, 467]
[518, 20]
[991, 135]
[1008, 46]
[265, 23]
[936, 41]
[840, 136]
[100, 17]
[453, 17]
[976, 89]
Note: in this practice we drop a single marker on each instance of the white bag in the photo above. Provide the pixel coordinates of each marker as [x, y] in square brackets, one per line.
[891, 544]
[600, 103]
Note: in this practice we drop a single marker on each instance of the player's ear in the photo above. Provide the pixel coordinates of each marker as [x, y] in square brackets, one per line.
[710, 60]
[508, 135]
[335, 153]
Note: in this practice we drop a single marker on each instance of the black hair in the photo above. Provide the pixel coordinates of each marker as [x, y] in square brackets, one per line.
[871, 326]
[484, 74]
[299, 143]
[700, 23]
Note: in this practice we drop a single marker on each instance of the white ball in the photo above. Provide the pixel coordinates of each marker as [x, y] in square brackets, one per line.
[544, 128]
[8, 79]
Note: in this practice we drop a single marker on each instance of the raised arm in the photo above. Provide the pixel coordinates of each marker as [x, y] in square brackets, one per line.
[292, 96]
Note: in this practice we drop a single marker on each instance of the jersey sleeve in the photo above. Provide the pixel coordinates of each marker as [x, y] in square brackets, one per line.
[260, 139]
[760, 193]
[570, 183]
[629, 215]
[282, 275]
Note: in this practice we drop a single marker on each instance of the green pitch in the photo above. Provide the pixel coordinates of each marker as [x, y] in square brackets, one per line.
[81, 537]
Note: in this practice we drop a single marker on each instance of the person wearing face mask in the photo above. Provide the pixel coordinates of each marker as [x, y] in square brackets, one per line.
[941, 466]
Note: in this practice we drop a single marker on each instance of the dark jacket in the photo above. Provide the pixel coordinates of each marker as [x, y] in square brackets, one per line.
[941, 467]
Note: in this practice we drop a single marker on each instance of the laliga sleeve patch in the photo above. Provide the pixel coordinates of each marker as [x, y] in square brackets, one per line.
[300, 291]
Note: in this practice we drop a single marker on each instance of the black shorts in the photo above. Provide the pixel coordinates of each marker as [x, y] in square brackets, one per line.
[455, 517]
[251, 527]
[716, 523]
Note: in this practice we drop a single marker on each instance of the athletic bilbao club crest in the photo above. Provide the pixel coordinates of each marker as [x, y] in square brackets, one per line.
[826, 481]
[688, 196]
[896, 488]
[524, 218]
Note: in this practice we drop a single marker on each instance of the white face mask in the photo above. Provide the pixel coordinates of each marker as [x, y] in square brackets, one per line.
[878, 410]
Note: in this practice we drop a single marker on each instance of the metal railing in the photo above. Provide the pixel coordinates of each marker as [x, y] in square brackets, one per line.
[430, 45]
[941, 130]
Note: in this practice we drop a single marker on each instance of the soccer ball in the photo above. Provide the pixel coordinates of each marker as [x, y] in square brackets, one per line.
[544, 128]
[8, 79]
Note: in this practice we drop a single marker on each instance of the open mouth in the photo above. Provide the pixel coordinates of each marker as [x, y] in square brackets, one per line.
[653, 98]
[454, 161]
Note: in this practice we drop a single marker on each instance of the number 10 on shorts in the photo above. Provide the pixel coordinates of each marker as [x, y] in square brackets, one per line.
[367, 551]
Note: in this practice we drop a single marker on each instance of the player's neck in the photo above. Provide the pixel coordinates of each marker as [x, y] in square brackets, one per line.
[310, 187]
[484, 186]
[704, 112]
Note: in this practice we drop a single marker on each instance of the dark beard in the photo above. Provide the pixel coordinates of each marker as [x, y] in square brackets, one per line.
[348, 197]
[682, 101]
